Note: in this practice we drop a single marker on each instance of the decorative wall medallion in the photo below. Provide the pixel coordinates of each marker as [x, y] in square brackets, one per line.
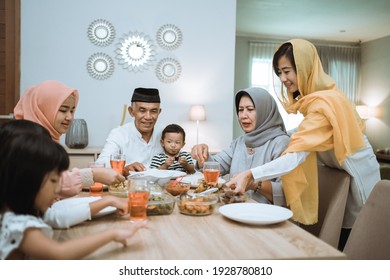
[169, 37]
[135, 52]
[100, 66]
[168, 70]
[101, 32]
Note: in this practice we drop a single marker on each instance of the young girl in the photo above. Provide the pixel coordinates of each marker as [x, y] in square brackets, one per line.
[30, 172]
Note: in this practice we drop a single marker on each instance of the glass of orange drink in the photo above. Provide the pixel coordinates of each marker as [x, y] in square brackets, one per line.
[211, 172]
[117, 162]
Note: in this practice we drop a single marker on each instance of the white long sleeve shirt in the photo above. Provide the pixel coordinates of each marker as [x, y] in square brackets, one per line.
[128, 140]
[60, 215]
[361, 166]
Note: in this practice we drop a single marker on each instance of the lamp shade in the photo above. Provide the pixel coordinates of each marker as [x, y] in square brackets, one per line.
[365, 112]
[197, 113]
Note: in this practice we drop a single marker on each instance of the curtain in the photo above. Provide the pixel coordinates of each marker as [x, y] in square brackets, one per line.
[342, 63]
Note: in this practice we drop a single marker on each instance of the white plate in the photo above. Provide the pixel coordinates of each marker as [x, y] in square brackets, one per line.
[194, 179]
[255, 213]
[156, 175]
[71, 202]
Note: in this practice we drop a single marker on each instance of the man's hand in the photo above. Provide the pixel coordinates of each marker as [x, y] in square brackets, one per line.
[134, 167]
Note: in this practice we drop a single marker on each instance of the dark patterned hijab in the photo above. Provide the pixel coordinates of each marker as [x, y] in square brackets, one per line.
[269, 122]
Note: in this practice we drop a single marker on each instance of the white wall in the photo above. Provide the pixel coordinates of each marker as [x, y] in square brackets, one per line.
[242, 77]
[54, 45]
[376, 90]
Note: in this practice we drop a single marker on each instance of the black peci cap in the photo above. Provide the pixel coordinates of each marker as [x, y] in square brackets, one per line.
[149, 95]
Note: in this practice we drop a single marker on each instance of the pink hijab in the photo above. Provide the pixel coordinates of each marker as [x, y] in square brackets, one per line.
[41, 103]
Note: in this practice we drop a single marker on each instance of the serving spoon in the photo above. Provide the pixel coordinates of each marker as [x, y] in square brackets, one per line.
[203, 193]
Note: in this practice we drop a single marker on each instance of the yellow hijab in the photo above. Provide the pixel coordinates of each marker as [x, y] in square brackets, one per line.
[330, 122]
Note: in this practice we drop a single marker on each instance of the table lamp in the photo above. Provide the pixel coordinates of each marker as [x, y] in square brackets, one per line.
[197, 113]
[365, 111]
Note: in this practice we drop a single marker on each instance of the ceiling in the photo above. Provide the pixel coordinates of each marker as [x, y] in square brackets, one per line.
[323, 20]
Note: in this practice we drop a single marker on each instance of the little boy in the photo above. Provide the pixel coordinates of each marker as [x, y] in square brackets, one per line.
[172, 141]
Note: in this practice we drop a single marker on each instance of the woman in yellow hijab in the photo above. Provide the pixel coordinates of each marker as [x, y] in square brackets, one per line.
[331, 132]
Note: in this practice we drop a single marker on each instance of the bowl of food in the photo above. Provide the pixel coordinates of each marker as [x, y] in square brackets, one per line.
[160, 204]
[197, 205]
[161, 177]
[203, 186]
[177, 188]
[119, 189]
[228, 195]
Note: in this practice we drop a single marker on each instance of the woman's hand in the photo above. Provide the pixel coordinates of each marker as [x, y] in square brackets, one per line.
[200, 153]
[106, 176]
[241, 182]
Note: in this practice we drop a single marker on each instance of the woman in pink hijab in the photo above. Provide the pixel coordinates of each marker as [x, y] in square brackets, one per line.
[52, 105]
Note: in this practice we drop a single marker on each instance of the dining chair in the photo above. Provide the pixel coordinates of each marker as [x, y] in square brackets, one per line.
[370, 234]
[333, 186]
[124, 113]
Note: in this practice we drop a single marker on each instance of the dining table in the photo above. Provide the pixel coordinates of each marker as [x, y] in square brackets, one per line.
[212, 237]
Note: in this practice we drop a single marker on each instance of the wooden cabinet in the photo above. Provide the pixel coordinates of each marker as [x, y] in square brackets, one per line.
[81, 157]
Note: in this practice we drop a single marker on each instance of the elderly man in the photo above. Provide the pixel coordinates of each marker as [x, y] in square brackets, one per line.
[139, 139]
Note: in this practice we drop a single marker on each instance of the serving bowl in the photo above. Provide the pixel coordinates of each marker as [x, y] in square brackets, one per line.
[119, 189]
[197, 206]
[160, 204]
[161, 177]
[177, 188]
[228, 197]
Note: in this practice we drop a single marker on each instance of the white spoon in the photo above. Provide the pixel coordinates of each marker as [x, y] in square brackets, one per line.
[203, 193]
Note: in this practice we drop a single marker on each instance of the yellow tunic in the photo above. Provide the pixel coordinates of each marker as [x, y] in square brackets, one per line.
[330, 122]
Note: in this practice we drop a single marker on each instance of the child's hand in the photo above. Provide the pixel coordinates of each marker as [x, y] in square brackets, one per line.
[109, 200]
[121, 204]
[123, 233]
[189, 168]
[169, 161]
[182, 161]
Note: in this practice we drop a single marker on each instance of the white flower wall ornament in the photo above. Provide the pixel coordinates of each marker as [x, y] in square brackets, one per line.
[100, 66]
[101, 32]
[135, 52]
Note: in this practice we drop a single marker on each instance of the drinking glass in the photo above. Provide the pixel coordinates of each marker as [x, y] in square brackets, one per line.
[138, 198]
[97, 188]
[211, 171]
[117, 162]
